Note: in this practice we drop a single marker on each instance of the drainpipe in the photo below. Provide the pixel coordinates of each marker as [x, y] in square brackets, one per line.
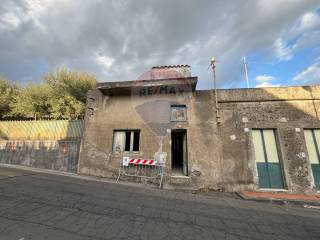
[220, 157]
[213, 66]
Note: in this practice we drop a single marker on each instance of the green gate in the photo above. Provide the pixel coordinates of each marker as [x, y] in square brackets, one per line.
[312, 137]
[316, 174]
[267, 159]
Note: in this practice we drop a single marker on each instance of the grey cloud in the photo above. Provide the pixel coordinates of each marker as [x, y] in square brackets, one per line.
[140, 34]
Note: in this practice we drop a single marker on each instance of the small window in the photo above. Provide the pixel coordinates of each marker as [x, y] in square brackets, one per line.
[126, 141]
[178, 113]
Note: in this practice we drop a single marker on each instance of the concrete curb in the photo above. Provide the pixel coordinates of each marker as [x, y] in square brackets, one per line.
[305, 204]
[75, 175]
[105, 180]
[166, 187]
[97, 179]
[280, 201]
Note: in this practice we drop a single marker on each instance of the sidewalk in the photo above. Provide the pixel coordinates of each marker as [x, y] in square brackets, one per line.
[282, 198]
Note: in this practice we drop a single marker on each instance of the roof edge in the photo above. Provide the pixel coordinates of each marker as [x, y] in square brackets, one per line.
[125, 86]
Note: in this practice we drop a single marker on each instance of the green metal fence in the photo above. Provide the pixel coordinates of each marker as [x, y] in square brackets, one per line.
[49, 144]
[41, 130]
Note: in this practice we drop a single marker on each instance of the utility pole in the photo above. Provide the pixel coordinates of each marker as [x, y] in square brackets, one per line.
[246, 70]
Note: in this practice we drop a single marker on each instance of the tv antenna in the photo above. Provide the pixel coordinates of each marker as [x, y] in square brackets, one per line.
[245, 64]
[213, 67]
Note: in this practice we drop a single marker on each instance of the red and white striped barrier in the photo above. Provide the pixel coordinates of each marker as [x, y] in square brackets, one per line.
[137, 161]
[143, 168]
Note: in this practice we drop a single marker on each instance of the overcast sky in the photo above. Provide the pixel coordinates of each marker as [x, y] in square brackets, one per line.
[120, 39]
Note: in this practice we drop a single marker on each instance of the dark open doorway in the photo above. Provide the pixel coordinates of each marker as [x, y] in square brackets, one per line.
[179, 162]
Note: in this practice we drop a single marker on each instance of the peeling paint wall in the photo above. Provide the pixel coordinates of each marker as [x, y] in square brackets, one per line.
[47, 154]
[220, 156]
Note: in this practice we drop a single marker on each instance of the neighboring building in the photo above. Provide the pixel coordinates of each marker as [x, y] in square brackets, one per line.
[257, 138]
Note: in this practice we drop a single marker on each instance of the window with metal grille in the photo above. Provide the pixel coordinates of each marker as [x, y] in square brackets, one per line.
[126, 141]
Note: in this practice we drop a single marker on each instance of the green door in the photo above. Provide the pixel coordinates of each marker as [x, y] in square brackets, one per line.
[267, 159]
[316, 174]
[312, 137]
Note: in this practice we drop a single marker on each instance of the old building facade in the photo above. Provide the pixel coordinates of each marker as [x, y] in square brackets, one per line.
[262, 138]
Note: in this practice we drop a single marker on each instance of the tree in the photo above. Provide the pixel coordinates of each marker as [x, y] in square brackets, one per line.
[68, 90]
[7, 93]
[31, 102]
[62, 95]
[66, 107]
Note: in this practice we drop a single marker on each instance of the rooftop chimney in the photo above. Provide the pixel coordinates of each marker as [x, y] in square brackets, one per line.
[167, 72]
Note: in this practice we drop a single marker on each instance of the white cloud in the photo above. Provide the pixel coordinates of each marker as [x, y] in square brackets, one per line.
[303, 34]
[267, 84]
[309, 20]
[309, 75]
[265, 81]
[9, 21]
[26, 11]
[283, 52]
[105, 61]
[265, 78]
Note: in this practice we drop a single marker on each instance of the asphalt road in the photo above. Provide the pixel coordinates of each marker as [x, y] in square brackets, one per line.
[44, 206]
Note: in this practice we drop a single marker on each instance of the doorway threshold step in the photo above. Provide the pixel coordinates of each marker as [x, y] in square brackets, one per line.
[180, 180]
[180, 176]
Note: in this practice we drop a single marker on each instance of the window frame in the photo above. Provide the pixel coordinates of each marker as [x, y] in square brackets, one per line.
[277, 143]
[315, 142]
[132, 131]
[172, 106]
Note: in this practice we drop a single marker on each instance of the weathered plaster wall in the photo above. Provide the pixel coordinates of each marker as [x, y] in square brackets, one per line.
[220, 156]
[288, 111]
[151, 114]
